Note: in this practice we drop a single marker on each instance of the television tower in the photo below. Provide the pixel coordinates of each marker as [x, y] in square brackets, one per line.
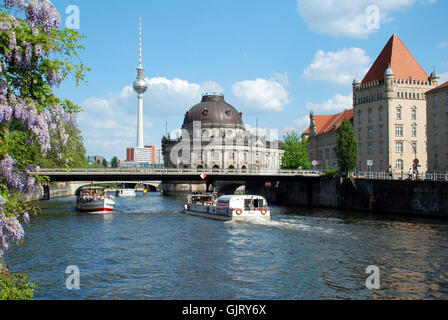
[140, 87]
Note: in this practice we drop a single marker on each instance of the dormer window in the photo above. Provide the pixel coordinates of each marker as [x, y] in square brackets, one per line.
[205, 111]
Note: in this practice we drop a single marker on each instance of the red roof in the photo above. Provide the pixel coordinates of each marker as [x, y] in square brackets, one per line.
[401, 61]
[442, 86]
[328, 123]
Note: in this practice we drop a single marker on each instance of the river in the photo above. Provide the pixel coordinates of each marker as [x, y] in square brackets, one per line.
[148, 249]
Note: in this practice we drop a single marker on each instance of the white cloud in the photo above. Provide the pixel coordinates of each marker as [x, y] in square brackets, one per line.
[442, 44]
[338, 67]
[354, 19]
[302, 123]
[332, 106]
[109, 124]
[261, 94]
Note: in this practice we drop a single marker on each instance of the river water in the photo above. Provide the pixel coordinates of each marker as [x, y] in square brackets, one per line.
[148, 249]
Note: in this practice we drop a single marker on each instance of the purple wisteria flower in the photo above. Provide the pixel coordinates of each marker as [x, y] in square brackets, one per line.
[42, 14]
[10, 228]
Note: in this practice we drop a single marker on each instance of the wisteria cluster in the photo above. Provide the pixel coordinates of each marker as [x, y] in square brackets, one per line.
[39, 14]
[42, 124]
[22, 181]
[10, 228]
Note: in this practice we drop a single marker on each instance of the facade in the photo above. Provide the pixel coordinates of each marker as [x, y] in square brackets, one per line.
[214, 137]
[159, 157]
[437, 115]
[95, 159]
[389, 111]
[321, 137]
[146, 154]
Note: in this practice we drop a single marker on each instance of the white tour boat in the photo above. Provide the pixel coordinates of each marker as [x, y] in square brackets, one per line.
[94, 200]
[125, 193]
[229, 207]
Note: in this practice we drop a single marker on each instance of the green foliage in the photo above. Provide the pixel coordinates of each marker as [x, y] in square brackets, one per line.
[330, 172]
[15, 286]
[296, 152]
[346, 148]
[104, 163]
[114, 162]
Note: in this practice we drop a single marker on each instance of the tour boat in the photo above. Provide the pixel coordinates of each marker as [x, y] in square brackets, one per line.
[94, 200]
[229, 207]
[125, 193]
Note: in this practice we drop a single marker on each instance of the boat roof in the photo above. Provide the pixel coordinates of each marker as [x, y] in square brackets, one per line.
[244, 196]
[94, 187]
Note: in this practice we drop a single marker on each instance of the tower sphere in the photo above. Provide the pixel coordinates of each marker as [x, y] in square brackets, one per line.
[140, 86]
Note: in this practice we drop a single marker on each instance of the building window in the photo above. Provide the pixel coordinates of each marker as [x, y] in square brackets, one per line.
[231, 156]
[359, 117]
[370, 148]
[381, 165]
[446, 119]
[398, 94]
[381, 113]
[381, 131]
[399, 164]
[414, 131]
[436, 121]
[414, 114]
[436, 161]
[381, 147]
[399, 147]
[446, 98]
[215, 155]
[370, 133]
[436, 140]
[370, 115]
[399, 131]
[359, 134]
[414, 147]
[360, 149]
[398, 113]
[436, 101]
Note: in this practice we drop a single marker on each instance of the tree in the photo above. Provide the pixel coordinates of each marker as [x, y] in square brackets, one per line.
[35, 57]
[104, 163]
[114, 162]
[296, 152]
[346, 148]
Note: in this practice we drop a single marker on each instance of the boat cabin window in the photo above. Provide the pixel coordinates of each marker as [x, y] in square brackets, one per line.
[254, 203]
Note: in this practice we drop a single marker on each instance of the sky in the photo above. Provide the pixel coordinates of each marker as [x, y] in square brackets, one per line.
[275, 61]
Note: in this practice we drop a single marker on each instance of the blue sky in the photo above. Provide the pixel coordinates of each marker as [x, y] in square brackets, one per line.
[273, 60]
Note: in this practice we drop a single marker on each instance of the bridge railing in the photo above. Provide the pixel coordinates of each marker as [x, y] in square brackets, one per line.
[435, 176]
[109, 171]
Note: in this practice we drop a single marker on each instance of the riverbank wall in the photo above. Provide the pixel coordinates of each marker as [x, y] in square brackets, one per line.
[428, 198]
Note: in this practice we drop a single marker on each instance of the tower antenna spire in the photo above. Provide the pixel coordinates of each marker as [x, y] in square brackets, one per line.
[140, 40]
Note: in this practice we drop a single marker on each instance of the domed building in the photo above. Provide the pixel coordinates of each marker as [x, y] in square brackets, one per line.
[214, 137]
